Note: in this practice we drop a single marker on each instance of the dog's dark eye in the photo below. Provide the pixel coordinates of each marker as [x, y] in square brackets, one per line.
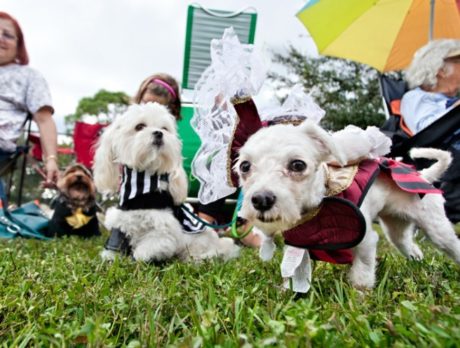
[245, 166]
[139, 127]
[297, 166]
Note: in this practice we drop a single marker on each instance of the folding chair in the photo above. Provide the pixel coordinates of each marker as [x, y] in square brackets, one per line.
[85, 137]
[443, 134]
[394, 127]
[9, 161]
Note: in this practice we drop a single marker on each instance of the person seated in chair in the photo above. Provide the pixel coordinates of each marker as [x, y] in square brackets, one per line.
[22, 91]
[434, 79]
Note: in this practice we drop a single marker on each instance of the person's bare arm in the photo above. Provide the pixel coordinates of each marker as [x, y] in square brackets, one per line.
[48, 139]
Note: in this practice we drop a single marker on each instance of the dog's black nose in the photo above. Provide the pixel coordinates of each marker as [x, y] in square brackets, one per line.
[158, 135]
[263, 201]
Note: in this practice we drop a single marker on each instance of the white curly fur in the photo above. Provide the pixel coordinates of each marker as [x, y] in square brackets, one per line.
[122, 144]
[267, 169]
[429, 60]
[155, 235]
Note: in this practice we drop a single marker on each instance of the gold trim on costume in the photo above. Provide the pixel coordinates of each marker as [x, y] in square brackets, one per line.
[240, 100]
[339, 178]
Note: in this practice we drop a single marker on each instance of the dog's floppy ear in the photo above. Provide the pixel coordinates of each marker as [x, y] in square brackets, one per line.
[178, 185]
[326, 144]
[106, 171]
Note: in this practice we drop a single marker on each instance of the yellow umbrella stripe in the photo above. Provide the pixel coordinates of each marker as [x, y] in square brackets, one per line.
[326, 19]
[372, 33]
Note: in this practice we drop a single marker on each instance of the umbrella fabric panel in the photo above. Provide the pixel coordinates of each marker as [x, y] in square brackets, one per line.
[414, 32]
[370, 37]
[381, 33]
[327, 19]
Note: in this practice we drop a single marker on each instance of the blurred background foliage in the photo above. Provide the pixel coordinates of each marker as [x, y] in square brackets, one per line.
[349, 92]
[105, 105]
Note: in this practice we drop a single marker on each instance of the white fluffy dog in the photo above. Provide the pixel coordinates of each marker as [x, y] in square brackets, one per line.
[144, 142]
[283, 175]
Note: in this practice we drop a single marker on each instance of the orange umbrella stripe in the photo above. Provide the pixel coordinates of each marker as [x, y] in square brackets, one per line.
[414, 31]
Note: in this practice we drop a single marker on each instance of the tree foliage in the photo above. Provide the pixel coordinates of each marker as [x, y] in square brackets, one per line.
[348, 91]
[103, 102]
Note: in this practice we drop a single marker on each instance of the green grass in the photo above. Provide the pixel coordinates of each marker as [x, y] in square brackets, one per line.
[59, 293]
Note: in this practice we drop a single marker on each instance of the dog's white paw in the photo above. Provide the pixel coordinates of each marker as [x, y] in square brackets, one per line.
[223, 248]
[228, 249]
[143, 253]
[361, 279]
[267, 249]
[415, 253]
[108, 255]
[147, 252]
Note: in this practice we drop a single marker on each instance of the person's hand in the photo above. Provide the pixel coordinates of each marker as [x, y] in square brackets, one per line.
[51, 171]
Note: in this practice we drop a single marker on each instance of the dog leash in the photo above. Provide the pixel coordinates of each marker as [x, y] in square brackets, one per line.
[232, 224]
[234, 230]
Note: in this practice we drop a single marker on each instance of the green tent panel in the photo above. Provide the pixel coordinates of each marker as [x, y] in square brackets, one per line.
[190, 145]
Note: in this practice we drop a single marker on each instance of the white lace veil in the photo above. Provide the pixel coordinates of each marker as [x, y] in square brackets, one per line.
[236, 69]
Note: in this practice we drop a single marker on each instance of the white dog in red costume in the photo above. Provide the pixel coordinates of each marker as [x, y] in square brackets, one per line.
[288, 185]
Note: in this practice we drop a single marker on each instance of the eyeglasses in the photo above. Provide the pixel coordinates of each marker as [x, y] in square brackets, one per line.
[6, 35]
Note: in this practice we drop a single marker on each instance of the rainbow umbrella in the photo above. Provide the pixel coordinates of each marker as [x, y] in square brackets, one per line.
[381, 33]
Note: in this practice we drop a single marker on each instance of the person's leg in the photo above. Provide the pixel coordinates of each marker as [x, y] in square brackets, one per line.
[5, 161]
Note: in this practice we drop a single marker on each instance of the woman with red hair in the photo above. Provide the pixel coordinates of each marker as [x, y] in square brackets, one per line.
[23, 90]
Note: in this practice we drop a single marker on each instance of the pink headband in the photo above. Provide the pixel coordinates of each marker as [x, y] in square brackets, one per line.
[165, 85]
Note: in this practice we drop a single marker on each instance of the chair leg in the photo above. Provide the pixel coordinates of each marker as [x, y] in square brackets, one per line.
[22, 178]
[10, 184]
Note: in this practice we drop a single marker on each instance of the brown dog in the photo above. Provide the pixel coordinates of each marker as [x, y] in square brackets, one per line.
[75, 207]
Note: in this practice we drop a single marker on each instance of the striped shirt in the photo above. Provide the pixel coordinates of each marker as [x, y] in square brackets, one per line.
[141, 191]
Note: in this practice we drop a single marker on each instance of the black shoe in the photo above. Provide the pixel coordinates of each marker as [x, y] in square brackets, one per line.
[118, 241]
